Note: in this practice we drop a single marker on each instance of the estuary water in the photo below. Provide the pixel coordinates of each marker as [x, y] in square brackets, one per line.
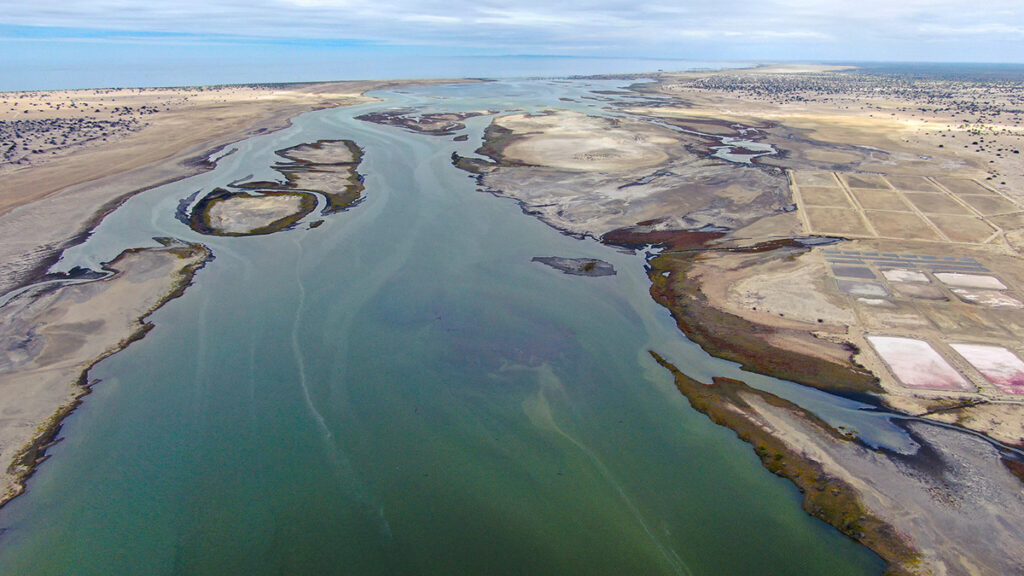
[402, 391]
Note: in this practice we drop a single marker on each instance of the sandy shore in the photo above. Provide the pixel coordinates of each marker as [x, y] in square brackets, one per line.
[68, 159]
[48, 200]
[949, 510]
[51, 336]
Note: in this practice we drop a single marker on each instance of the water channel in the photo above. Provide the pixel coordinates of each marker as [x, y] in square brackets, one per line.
[402, 391]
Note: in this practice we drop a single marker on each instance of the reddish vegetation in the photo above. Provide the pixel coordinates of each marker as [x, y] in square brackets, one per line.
[1015, 467]
[720, 333]
[640, 236]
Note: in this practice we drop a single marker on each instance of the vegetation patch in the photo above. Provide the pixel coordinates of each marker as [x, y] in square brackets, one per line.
[733, 338]
[496, 139]
[824, 496]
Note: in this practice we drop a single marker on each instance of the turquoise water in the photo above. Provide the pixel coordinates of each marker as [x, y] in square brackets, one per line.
[83, 63]
[402, 391]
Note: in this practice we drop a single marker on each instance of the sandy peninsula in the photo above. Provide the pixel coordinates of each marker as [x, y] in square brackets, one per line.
[73, 156]
[53, 333]
[69, 158]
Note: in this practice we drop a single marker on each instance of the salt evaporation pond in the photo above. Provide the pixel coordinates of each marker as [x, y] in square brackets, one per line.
[997, 364]
[917, 364]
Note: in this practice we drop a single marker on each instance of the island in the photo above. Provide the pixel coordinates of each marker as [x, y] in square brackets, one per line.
[325, 169]
[422, 122]
[577, 266]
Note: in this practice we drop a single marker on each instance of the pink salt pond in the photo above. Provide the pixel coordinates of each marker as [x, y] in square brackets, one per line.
[997, 364]
[917, 365]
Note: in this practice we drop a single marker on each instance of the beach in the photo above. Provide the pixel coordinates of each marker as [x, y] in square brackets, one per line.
[48, 201]
[51, 200]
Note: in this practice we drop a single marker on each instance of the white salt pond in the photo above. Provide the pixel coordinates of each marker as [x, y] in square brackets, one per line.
[917, 365]
[867, 289]
[904, 275]
[990, 298]
[876, 302]
[970, 280]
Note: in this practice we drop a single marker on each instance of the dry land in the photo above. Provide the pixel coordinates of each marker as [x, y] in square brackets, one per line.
[324, 169]
[864, 236]
[589, 176]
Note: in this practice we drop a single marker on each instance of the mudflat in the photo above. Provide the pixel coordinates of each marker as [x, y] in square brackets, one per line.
[800, 216]
[52, 334]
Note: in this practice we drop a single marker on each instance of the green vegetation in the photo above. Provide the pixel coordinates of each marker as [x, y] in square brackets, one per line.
[472, 165]
[337, 200]
[496, 139]
[733, 338]
[824, 496]
[306, 176]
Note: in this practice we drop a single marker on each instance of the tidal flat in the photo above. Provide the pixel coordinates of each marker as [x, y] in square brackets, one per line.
[398, 387]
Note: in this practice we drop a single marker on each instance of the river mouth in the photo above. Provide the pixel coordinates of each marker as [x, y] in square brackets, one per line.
[402, 390]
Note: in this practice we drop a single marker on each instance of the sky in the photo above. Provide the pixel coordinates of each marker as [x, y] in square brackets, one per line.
[356, 39]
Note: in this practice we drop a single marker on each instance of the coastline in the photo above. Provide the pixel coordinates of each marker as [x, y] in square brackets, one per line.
[826, 496]
[747, 277]
[705, 319]
[49, 374]
[925, 514]
[52, 205]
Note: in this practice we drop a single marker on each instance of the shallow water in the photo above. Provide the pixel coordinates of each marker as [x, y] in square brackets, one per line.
[403, 391]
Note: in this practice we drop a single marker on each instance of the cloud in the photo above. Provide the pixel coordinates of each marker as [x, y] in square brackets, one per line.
[988, 29]
[811, 28]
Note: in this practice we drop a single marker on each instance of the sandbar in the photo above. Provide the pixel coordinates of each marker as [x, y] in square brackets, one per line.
[53, 334]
